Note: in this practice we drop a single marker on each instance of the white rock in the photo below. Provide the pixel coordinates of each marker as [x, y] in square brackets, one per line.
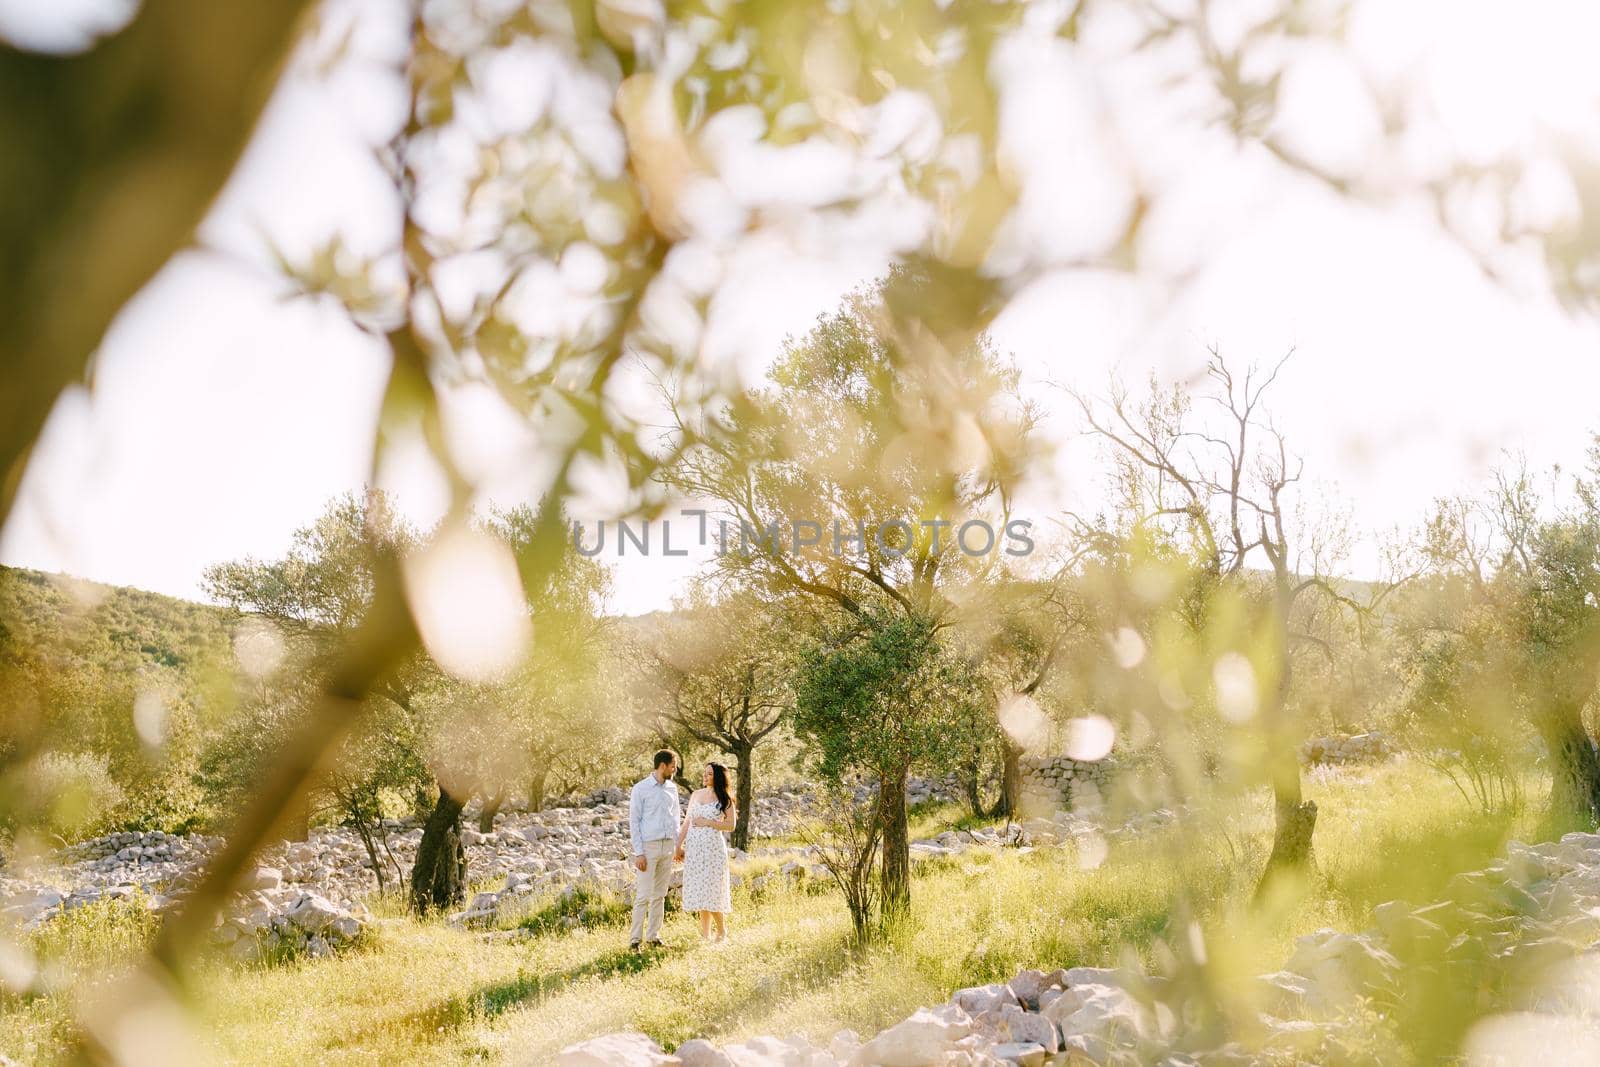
[262, 878]
[845, 1045]
[1340, 967]
[1107, 1012]
[1029, 1028]
[771, 1052]
[923, 1038]
[616, 1050]
[481, 908]
[702, 1053]
[1282, 991]
[313, 913]
[974, 1000]
[33, 904]
[1022, 1053]
[1029, 985]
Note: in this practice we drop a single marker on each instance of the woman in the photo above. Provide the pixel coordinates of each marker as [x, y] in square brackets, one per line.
[704, 852]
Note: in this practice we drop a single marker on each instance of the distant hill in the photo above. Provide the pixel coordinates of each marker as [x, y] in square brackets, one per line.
[58, 618]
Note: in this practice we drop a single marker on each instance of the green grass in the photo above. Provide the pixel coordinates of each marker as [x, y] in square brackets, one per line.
[425, 992]
[584, 907]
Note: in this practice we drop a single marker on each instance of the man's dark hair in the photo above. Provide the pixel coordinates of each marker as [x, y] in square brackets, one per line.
[664, 757]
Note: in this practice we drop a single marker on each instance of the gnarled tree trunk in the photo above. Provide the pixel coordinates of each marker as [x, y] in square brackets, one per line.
[1009, 806]
[491, 808]
[896, 881]
[1294, 822]
[1294, 818]
[536, 789]
[972, 785]
[1574, 767]
[439, 878]
[744, 764]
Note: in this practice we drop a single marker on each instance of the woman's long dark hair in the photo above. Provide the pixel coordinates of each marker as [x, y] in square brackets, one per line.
[719, 785]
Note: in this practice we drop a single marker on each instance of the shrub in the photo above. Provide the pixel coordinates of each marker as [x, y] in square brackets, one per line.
[70, 794]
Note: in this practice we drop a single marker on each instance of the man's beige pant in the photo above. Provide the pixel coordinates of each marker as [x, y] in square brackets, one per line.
[650, 891]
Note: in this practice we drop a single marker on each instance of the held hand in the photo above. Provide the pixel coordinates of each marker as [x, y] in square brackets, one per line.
[641, 863]
[678, 856]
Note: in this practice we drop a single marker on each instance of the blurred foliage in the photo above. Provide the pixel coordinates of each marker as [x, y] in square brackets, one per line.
[565, 253]
[851, 476]
[110, 161]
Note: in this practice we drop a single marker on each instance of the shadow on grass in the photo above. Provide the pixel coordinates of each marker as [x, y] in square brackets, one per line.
[452, 1014]
[526, 989]
[723, 1010]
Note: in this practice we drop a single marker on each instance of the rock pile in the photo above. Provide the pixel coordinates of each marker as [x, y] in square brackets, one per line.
[275, 919]
[1357, 748]
[929, 790]
[1069, 1016]
[129, 865]
[777, 811]
[269, 915]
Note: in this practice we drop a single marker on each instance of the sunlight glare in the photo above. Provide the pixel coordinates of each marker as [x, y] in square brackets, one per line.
[1089, 739]
[1235, 679]
[466, 594]
[1127, 647]
[1023, 720]
[150, 717]
[258, 647]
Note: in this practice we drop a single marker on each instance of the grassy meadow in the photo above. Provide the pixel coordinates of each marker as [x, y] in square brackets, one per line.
[427, 992]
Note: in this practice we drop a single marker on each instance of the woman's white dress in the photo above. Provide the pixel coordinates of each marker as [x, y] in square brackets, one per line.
[705, 864]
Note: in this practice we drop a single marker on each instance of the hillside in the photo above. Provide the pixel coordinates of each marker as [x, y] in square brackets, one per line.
[58, 620]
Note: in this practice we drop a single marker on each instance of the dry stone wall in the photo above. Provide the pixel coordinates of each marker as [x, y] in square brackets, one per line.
[1370, 747]
[1052, 783]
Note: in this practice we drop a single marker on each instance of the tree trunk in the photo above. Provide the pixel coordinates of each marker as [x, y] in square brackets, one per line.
[1009, 806]
[358, 820]
[972, 784]
[536, 789]
[439, 878]
[491, 808]
[896, 883]
[1294, 823]
[1294, 818]
[1574, 768]
[744, 764]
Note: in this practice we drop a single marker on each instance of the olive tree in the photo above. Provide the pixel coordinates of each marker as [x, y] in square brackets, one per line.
[873, 476]
[1225, 490]
[877, 698]
[1511, 631]
[723, 670]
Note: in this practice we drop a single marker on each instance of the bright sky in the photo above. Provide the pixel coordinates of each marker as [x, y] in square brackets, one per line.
[223, 417]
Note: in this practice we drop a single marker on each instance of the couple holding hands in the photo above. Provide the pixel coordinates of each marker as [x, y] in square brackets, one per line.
[661, 837]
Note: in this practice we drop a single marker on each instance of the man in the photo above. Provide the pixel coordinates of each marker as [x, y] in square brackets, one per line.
[653, 823]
